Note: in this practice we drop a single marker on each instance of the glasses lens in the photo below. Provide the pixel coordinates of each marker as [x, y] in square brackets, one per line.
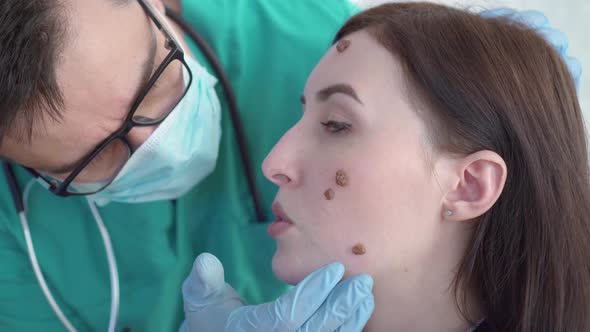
[102, 170]
[164, 95]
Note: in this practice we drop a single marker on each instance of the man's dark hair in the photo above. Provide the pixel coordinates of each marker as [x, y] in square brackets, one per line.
[32, 33]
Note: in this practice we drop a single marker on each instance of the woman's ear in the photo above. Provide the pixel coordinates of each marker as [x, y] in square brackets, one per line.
[478, 182]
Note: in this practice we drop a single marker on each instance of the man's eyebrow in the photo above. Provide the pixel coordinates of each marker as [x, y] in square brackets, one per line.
[344, 88]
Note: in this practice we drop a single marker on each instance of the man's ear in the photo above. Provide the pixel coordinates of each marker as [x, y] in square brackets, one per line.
[478, 180]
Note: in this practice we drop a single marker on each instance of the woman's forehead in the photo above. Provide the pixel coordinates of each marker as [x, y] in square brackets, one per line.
[361, 62]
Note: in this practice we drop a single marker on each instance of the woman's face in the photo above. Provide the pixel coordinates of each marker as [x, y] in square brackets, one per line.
[357, 119]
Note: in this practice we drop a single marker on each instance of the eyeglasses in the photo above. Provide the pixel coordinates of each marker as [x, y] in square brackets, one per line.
[153, 104]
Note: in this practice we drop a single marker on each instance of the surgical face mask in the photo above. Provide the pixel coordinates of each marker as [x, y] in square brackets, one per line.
[179, 153]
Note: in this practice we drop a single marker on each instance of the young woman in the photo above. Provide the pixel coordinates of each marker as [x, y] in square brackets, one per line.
[444, 154]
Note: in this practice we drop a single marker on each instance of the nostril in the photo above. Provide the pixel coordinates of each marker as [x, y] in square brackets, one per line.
[281, 178]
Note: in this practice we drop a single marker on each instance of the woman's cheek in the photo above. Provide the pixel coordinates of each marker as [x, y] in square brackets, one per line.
[349, 244]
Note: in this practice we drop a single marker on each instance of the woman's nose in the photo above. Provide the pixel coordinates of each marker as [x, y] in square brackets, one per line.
[280, 179]
[281, 165]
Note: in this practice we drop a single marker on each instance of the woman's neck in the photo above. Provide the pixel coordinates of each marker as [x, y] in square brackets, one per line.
[423, 307]
[422, 297]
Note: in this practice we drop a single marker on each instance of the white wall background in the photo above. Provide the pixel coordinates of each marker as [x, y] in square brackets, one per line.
[570, 16]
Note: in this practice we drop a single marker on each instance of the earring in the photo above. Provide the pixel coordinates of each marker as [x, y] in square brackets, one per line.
[449, 213]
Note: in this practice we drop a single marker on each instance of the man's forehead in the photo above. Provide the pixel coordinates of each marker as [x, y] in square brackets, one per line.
[100, 70]
[116, 3]
[105, 48]
[86, 8]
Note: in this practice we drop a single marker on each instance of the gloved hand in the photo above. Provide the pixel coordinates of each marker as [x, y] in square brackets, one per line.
[316, 304]
[539, 22]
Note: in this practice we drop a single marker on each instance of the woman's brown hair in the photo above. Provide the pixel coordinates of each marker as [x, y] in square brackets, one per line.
[494, 84]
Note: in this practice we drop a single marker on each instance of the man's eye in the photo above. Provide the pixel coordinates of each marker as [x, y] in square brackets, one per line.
[336, 127]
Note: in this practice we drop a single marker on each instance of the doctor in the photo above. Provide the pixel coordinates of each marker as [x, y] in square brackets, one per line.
[109, 119]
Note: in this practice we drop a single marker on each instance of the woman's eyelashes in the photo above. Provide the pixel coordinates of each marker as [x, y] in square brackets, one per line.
[336, 126]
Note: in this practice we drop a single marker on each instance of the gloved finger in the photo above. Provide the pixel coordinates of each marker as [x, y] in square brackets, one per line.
[205, 285]
[341, 305]
[208, 299]
[556, 38]
[360, 317]
[290, 311]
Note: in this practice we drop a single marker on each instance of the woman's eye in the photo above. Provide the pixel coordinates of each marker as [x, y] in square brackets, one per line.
[336, 127]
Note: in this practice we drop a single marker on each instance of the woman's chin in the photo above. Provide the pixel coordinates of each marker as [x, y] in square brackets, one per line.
[288, 270]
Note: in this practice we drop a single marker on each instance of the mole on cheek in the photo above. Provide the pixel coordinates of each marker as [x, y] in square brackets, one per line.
[342, 45]
[329, 194]
[359, 249]
[341, 178]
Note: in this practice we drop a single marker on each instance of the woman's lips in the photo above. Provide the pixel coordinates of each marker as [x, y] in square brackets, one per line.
[281, 224]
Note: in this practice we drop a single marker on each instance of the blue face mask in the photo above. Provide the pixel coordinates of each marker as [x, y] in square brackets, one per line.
[179, 153]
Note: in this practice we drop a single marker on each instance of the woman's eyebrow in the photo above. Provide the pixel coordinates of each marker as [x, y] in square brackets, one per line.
[343, 88]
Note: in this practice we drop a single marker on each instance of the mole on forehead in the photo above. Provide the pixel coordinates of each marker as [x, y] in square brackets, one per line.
[342, 45]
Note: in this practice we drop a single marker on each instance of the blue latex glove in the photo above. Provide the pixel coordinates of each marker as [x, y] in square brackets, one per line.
[317, 304]
[540, 23]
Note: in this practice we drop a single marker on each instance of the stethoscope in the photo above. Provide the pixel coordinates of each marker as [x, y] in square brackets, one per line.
[20, 197]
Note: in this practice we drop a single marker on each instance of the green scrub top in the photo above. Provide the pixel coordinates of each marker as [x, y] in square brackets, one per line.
[268, 48]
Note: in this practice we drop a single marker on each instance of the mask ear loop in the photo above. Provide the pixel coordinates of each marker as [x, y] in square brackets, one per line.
[113, 270]
[33, 258]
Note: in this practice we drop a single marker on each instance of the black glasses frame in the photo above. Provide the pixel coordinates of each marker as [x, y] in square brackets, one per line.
[176, 53]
